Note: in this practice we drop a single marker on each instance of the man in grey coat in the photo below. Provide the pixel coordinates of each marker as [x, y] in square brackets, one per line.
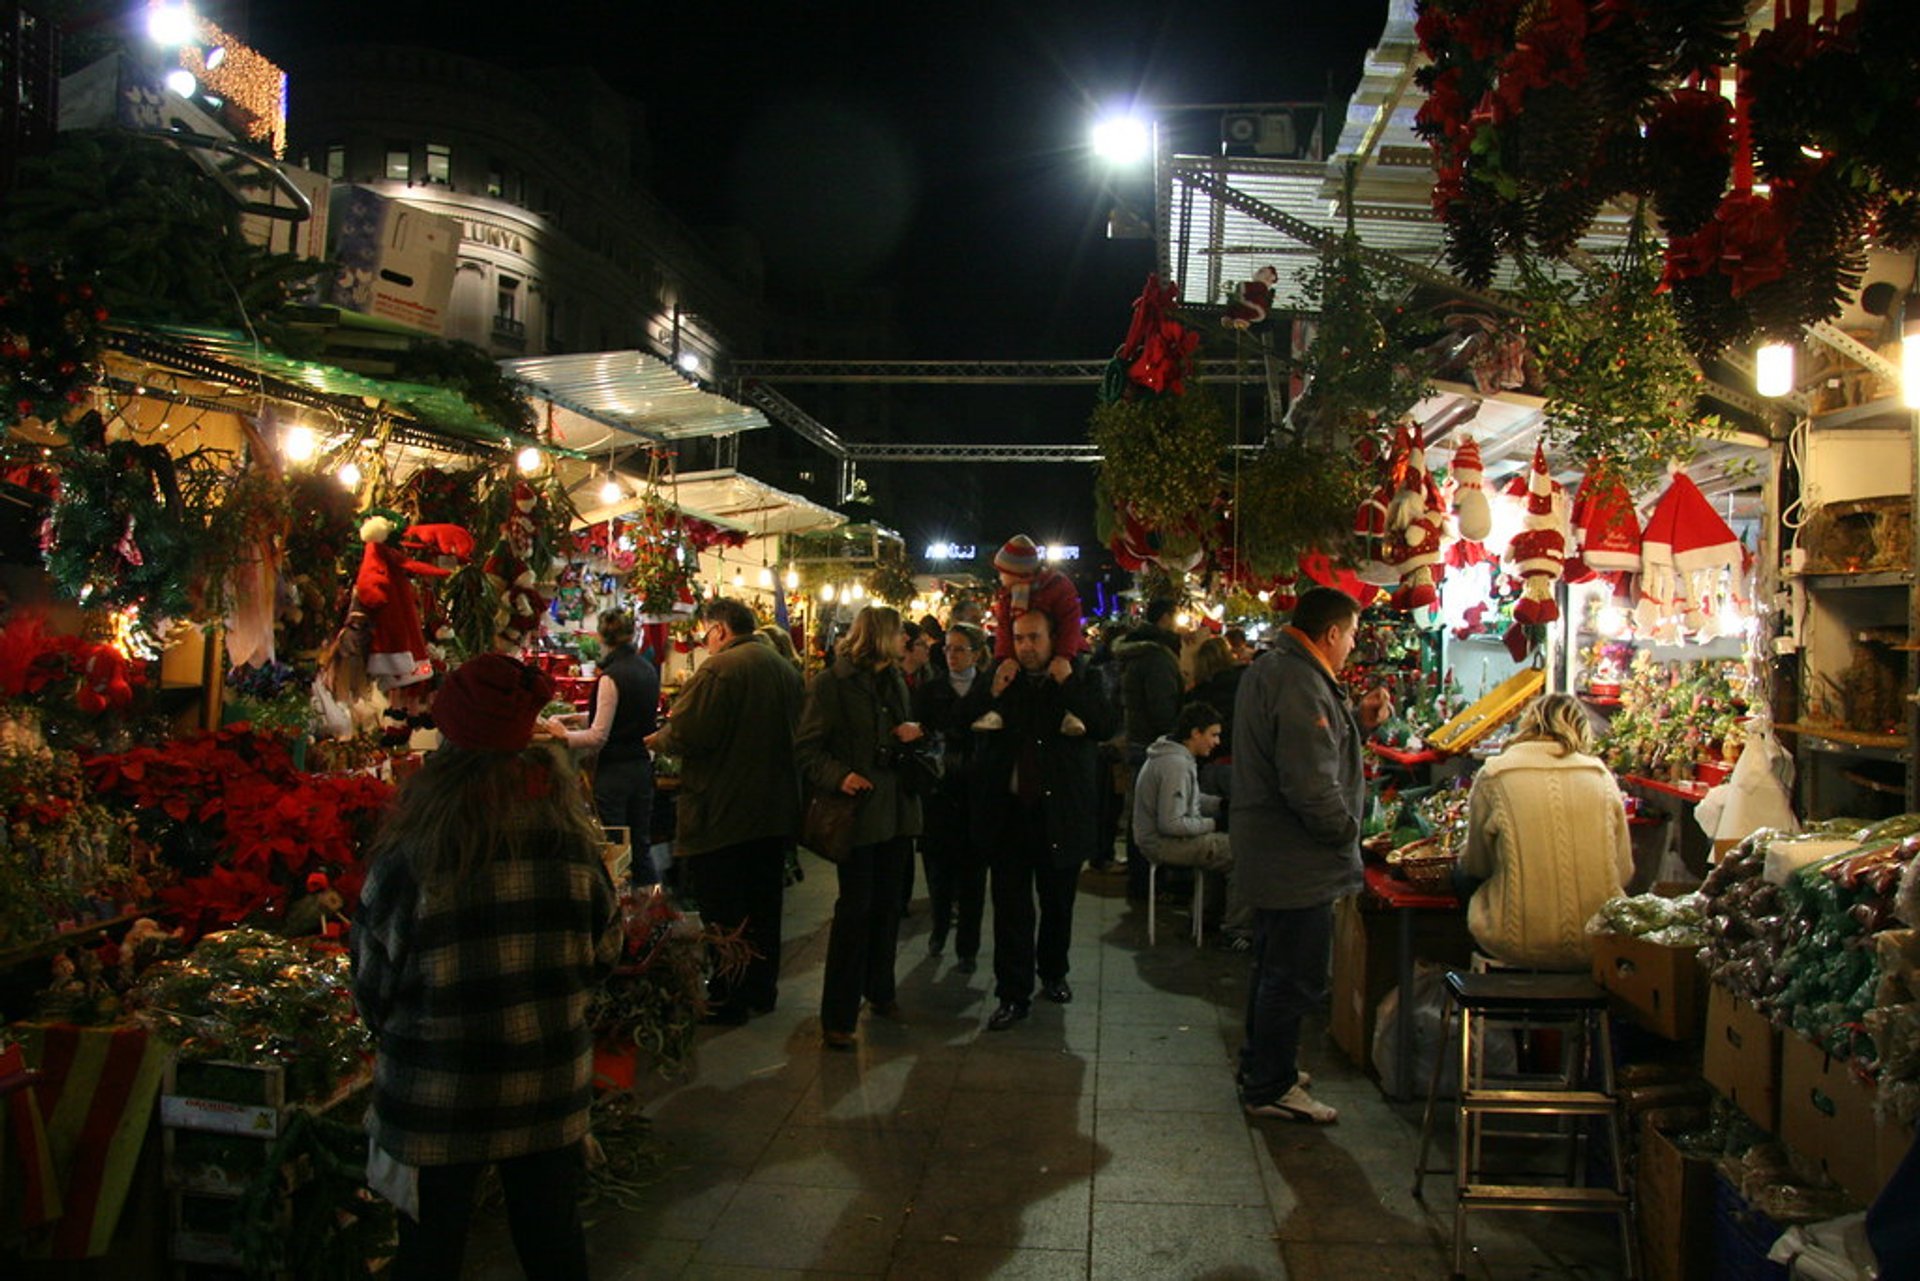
[1296, 807]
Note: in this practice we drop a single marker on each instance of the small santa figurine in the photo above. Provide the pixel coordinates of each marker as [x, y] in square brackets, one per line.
[1470, 491]
[396, 646]
[1539, 551]
[1416, 523]
[1251, 301]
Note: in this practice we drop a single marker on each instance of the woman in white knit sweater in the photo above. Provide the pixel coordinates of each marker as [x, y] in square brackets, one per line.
[1547, 833]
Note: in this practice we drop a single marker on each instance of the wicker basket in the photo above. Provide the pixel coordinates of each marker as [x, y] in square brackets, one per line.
[1431, 873]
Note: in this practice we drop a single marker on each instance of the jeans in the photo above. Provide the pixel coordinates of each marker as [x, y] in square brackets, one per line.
[742, 887]
[1023, 871]
[623, 797]
[543, 1214]
[865, 933]
[1292, 948]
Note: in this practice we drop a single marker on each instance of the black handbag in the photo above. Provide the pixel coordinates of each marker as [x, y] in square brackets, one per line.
[827, 826]
[918, 768]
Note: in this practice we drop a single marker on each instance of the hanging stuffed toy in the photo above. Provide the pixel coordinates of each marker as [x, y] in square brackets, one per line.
[1539, 551]
[1689, 562]
[1470, 501]
[1606, 527]
[1416, 522]
[396, 649]
[510, 576]
[1251, 301]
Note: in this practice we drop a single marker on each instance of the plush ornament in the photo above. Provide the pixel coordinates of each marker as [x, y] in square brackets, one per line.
[1252, 300]
[1539, 551]
[511, 578]
[1687, 558]
[396, 653]
[1286, 593]
[1416, 523]
[104, 681]
[1470, 500]
[1606, 527]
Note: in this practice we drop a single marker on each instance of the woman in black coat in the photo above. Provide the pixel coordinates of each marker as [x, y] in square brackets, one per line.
[947, 705]
[857, 716]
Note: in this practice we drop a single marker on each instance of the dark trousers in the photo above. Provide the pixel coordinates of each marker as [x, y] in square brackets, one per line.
[1292, 948]
[1023, 872]
[956, 875]
[1136, 860]
[543, 1214]
[865, 933]
[741, 887]
[623, 797]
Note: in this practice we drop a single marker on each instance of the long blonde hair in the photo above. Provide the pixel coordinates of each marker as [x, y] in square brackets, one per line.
[1556, 718]
[869, 642]
[1210, 659]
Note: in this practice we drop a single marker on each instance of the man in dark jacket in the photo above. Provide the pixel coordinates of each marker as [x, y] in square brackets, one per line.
[739, 800]
[1150, 694]
[1034, 781]
[1296, 806]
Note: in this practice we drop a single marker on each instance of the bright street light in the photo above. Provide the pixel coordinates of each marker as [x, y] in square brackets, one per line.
[689, 361]
[172, 25]
[180, 83]
[1122, 140]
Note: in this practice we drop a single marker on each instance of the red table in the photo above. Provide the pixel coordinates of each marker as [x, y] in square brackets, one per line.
[1405, 900]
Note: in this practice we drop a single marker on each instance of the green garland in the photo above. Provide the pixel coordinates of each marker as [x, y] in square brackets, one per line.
[1295, 497]
[316, 1172]
[1160, 456]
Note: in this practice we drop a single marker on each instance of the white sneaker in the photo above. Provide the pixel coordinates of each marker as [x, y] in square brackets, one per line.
[991, 720]
[1295, 1105]
[1072, 726]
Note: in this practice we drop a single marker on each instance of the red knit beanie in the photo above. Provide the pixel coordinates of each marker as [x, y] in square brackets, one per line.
[490, 702]
[1018, 556]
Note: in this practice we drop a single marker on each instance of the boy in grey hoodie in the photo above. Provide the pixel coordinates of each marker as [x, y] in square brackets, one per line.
[1173, 820]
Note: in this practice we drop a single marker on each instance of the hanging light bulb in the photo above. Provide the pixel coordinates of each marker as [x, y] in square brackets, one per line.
[858, 592]
[793, 579]
[299, 444]
[528, 460]
[349, 475]
[739, 579]
[182, 83]
[1910, 352]
[766, 576]
[1773, 369]
[826, 593]
[610, 490]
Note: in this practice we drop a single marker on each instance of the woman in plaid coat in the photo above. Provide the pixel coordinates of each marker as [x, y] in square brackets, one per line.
[486, 921]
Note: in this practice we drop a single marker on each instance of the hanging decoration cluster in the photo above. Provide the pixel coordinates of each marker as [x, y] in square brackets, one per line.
[50, 329]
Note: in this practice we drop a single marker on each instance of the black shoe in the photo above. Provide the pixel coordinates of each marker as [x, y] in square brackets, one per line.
[965, 965]
[1058, 992]
[725, 1016]
[936, 943]
[1006, 1015]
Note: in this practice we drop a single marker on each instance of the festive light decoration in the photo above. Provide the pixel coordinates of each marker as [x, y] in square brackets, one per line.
[253, 91]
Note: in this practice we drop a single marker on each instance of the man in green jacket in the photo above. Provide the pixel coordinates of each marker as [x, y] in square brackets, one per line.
[739, 800]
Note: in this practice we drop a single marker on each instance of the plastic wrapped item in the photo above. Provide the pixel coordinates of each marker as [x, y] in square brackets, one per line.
[1788, 854]
[1671, 922]
[1429, 994]
[1832, 1250]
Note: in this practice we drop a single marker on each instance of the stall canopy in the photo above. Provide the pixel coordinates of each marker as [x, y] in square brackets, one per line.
[635, 392]
[728, 498]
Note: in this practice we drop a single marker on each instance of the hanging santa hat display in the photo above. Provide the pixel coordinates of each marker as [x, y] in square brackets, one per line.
[1470, 501]
[1690, 563]
[1539, 551]
[1606, 527]
[1416, 521]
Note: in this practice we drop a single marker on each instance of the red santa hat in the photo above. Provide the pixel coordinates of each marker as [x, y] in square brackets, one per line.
[1687, 544]
[1606, 524]
[490, 703]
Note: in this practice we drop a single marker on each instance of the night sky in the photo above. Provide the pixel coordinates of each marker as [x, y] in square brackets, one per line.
[937, 150]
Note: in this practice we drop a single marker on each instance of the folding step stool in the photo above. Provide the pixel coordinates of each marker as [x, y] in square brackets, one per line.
[1571, 1002]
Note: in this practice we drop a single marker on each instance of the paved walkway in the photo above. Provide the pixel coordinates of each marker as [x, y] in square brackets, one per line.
[1098, 1141]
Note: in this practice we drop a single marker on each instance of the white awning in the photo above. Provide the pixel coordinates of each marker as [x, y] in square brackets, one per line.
[727, 498]
[632, 391]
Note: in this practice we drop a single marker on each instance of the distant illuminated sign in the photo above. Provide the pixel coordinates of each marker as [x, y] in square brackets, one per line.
[951, 551]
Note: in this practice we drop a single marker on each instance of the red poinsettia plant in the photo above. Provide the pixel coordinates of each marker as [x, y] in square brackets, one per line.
[42, 667]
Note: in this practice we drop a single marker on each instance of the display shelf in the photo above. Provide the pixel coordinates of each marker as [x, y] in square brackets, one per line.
[1644, 820]
[1870, 578]
[1836, 739]
[1405, 759]
[65, 939]
[1690, 791]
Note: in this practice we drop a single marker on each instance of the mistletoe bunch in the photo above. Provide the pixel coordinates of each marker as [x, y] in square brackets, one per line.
[50, 329]
[1160, 458]
[663, 565]
[1295, 497]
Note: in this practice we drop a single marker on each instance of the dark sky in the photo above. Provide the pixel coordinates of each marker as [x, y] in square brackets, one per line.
[936, 149]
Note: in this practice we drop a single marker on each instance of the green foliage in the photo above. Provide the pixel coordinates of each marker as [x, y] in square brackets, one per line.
[467, 369]
[1160, 456]
[316, 1172]
[1358, 374]
[1293, 497]
[140, 214]
[1622, 390]
[892, 578]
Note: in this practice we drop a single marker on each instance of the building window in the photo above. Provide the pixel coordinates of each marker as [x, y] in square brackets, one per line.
[336, 160]
[496, 180]
[508, 307]
[399, 162]
[439, 164]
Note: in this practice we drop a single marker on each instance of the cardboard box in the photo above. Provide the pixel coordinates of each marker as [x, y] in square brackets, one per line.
[1365, 969]
[1742, 1057]
[1657, 986]
[396, 261]
[1826, 1115]
[1673, 1196]
[306, 238]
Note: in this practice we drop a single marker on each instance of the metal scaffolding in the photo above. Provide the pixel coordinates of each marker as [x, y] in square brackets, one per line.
[985, 373]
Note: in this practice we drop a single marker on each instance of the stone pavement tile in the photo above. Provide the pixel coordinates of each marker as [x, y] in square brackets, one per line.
[1011, 1201]
[1017, 1062]
[721, 1139]
[1155, 1009]
[681, 1204]
[818, 1156]
[804, 1229]
[1185, 1159]
[728, 1272]
[1163, 1087]
[939, 1261]
[1134, 1242]
[1316, 1261]
[1195, 1045]
[641, 1259]
[905, 1091]
[1051, 1129]
[1326, 1188]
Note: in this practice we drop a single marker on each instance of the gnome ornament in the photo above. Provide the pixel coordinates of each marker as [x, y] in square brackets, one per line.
[396, 652]
[1416, 522]
[1470, 501]
[511, 578]
[1539, 551]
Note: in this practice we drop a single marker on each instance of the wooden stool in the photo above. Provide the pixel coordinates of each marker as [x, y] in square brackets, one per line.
[1571, 1002]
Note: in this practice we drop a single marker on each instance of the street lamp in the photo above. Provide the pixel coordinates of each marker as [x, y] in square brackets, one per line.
[1122, 140]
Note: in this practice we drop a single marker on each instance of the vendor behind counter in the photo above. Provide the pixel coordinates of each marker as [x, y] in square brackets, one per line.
[1547, 841]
